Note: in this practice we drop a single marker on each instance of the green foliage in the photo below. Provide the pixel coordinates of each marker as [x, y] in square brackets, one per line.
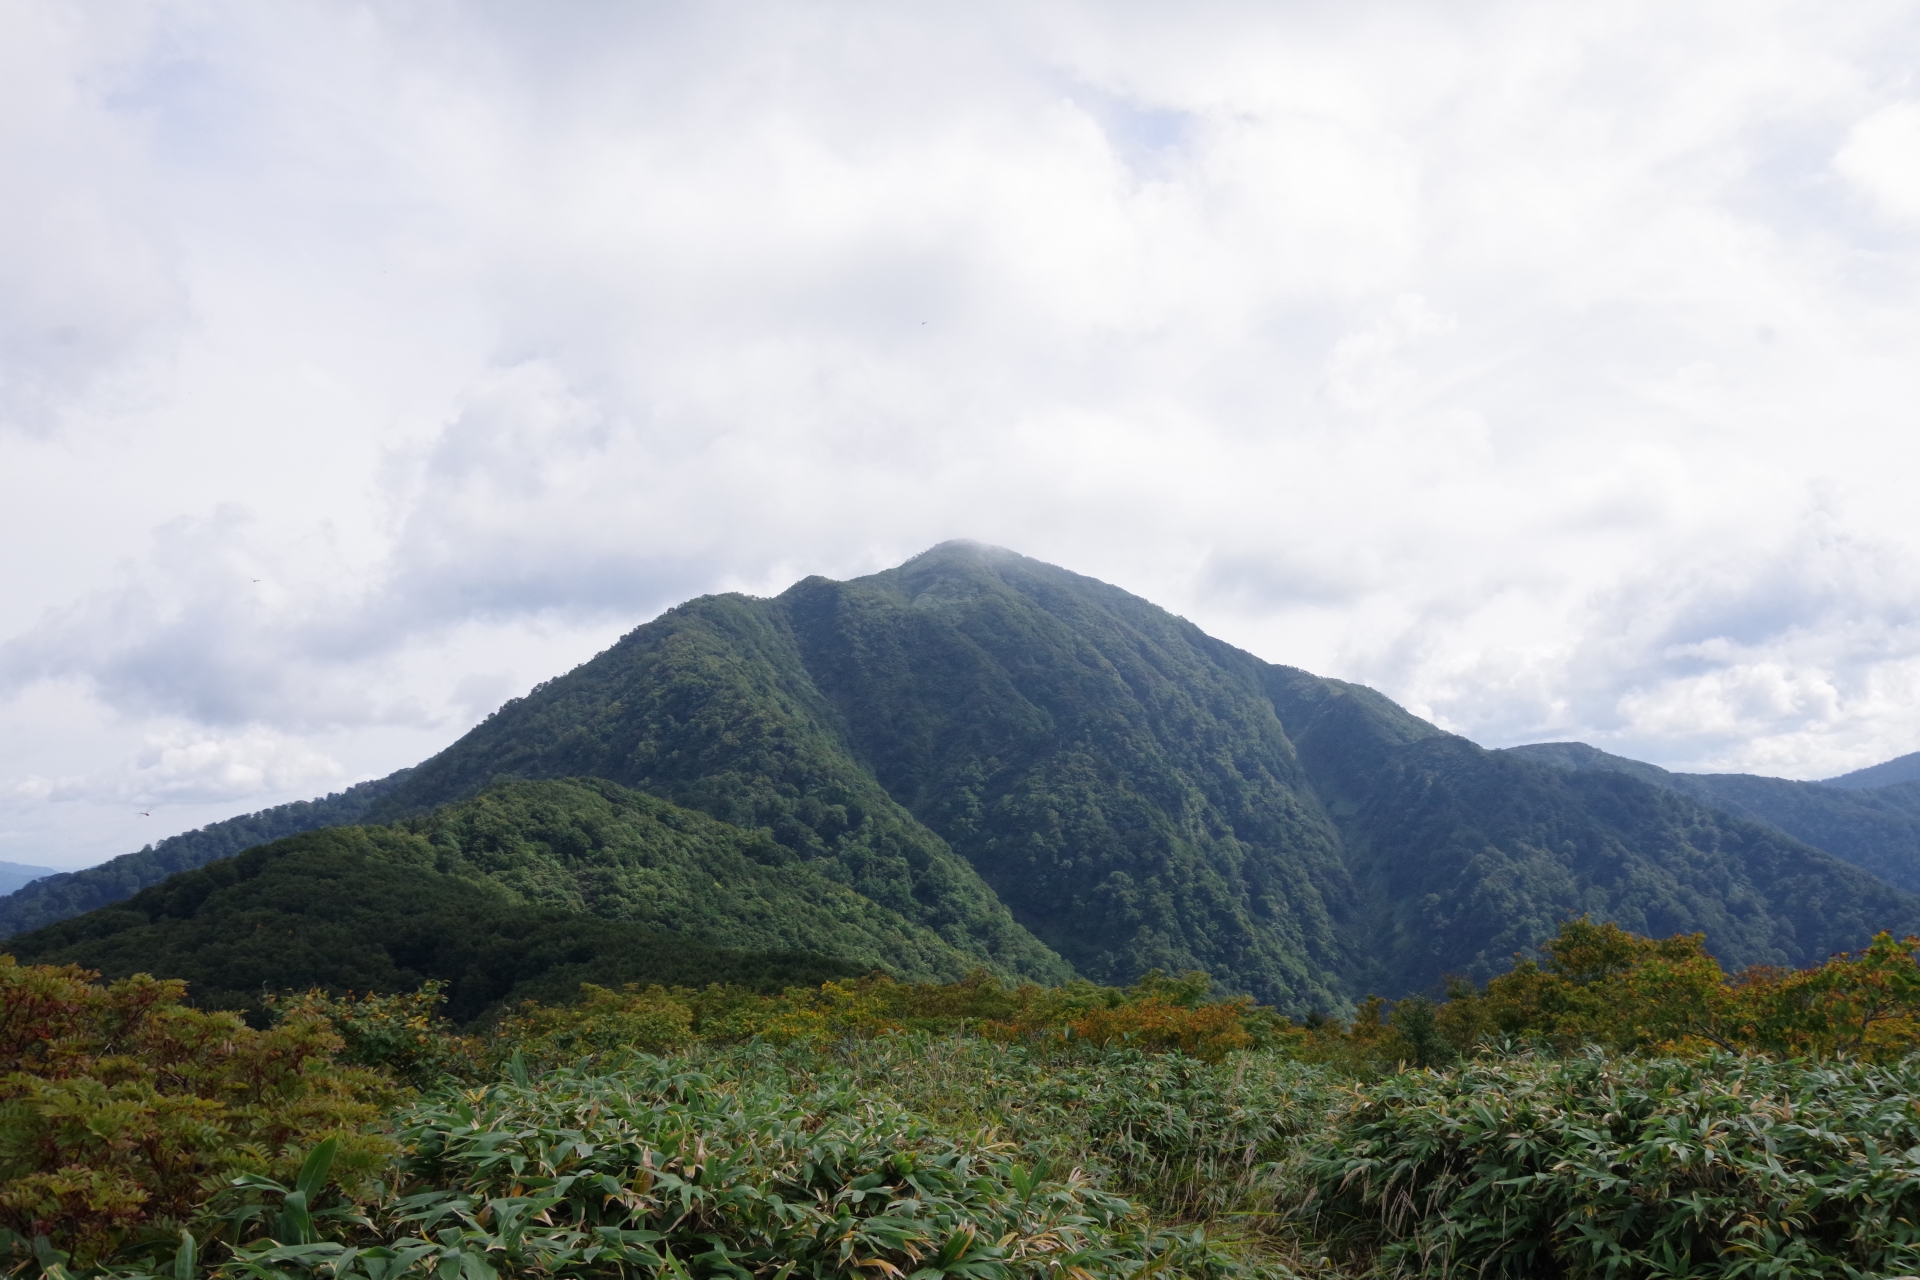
[711, 707]
[1190, 1140]
[122, 1110]
[14, 875]
[1876, 829]
[1157, 1014]
[1859, 1006]
[1119, 778]
[1601, 1166]
[381, 910]
[1601, 985]
[869, 1127]
[1140, 795]
[402, 1035]
[596, 848]
[1462, 857]
[1417, 1027]
[603, 1021]
[671, 1170]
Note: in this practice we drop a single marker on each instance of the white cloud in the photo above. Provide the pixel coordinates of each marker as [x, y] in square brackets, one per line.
[87, 284]
[182, 766]
[1881, 158]
[1364, 371]
[35, 787]
[1537, 365]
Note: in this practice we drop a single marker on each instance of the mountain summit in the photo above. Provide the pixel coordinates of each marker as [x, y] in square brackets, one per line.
[1052, 776]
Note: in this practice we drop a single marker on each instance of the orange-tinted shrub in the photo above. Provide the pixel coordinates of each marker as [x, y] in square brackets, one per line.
[1211, 1031]
[122, 1109]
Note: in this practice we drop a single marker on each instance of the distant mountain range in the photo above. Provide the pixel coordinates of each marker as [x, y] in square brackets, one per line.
[1875, 825]
[976, 759]
[15, 875]
[1900, 769]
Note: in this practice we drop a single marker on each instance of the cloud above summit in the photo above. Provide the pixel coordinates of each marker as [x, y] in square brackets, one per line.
[1549, 369]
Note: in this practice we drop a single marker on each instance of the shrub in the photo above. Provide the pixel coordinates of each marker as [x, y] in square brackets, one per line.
[1863, 1006]
[1604, 1166]
[656, 1168]
[122, 1109]
[1209, 1033]
[1158, 1013]
[1599, 985]
[649, 1021]
[1192, 1140]
[402, 1035]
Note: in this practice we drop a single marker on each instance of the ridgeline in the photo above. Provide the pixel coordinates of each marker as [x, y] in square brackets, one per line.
[979, 760]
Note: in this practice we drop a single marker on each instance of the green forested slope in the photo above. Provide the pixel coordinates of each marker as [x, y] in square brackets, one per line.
[597, 848]
[1462, 856]
[1887, 773]
[14, 875]
[1139, 794]
[997, 761]
[1877, 830]
[710, 707]
[1118, 777]
[69, 893]
[371, 909]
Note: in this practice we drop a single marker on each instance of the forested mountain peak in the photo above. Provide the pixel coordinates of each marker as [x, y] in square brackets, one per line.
[1050, 775]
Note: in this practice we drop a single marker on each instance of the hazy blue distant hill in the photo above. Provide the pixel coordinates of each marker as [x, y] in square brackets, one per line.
[1886, 774]
[15, 874]
[1049, 775]
[1877, 830]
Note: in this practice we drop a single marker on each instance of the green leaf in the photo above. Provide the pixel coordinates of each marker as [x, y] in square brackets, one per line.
[296, 1223]
[314, 1169]
[185, 1257]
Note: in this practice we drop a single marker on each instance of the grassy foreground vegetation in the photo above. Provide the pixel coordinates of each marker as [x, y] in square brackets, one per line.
[1621, 1107]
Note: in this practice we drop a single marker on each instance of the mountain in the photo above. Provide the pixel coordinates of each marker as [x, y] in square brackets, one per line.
[711, 707]
[15, 875]
[1899, 769]
[599, 849]
[1462, 856]
[68, 893]
[1050, 775]
[461, 897]
[971, 729]
[1877, 830]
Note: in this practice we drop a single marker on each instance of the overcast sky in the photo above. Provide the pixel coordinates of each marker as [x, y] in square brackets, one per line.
[1554, 369]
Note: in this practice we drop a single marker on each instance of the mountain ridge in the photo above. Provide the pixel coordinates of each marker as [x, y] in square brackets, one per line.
[1053, 776]
[17, 875]
[1876, 829]
[70, 893]
[497, 910]
[1885, 774]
